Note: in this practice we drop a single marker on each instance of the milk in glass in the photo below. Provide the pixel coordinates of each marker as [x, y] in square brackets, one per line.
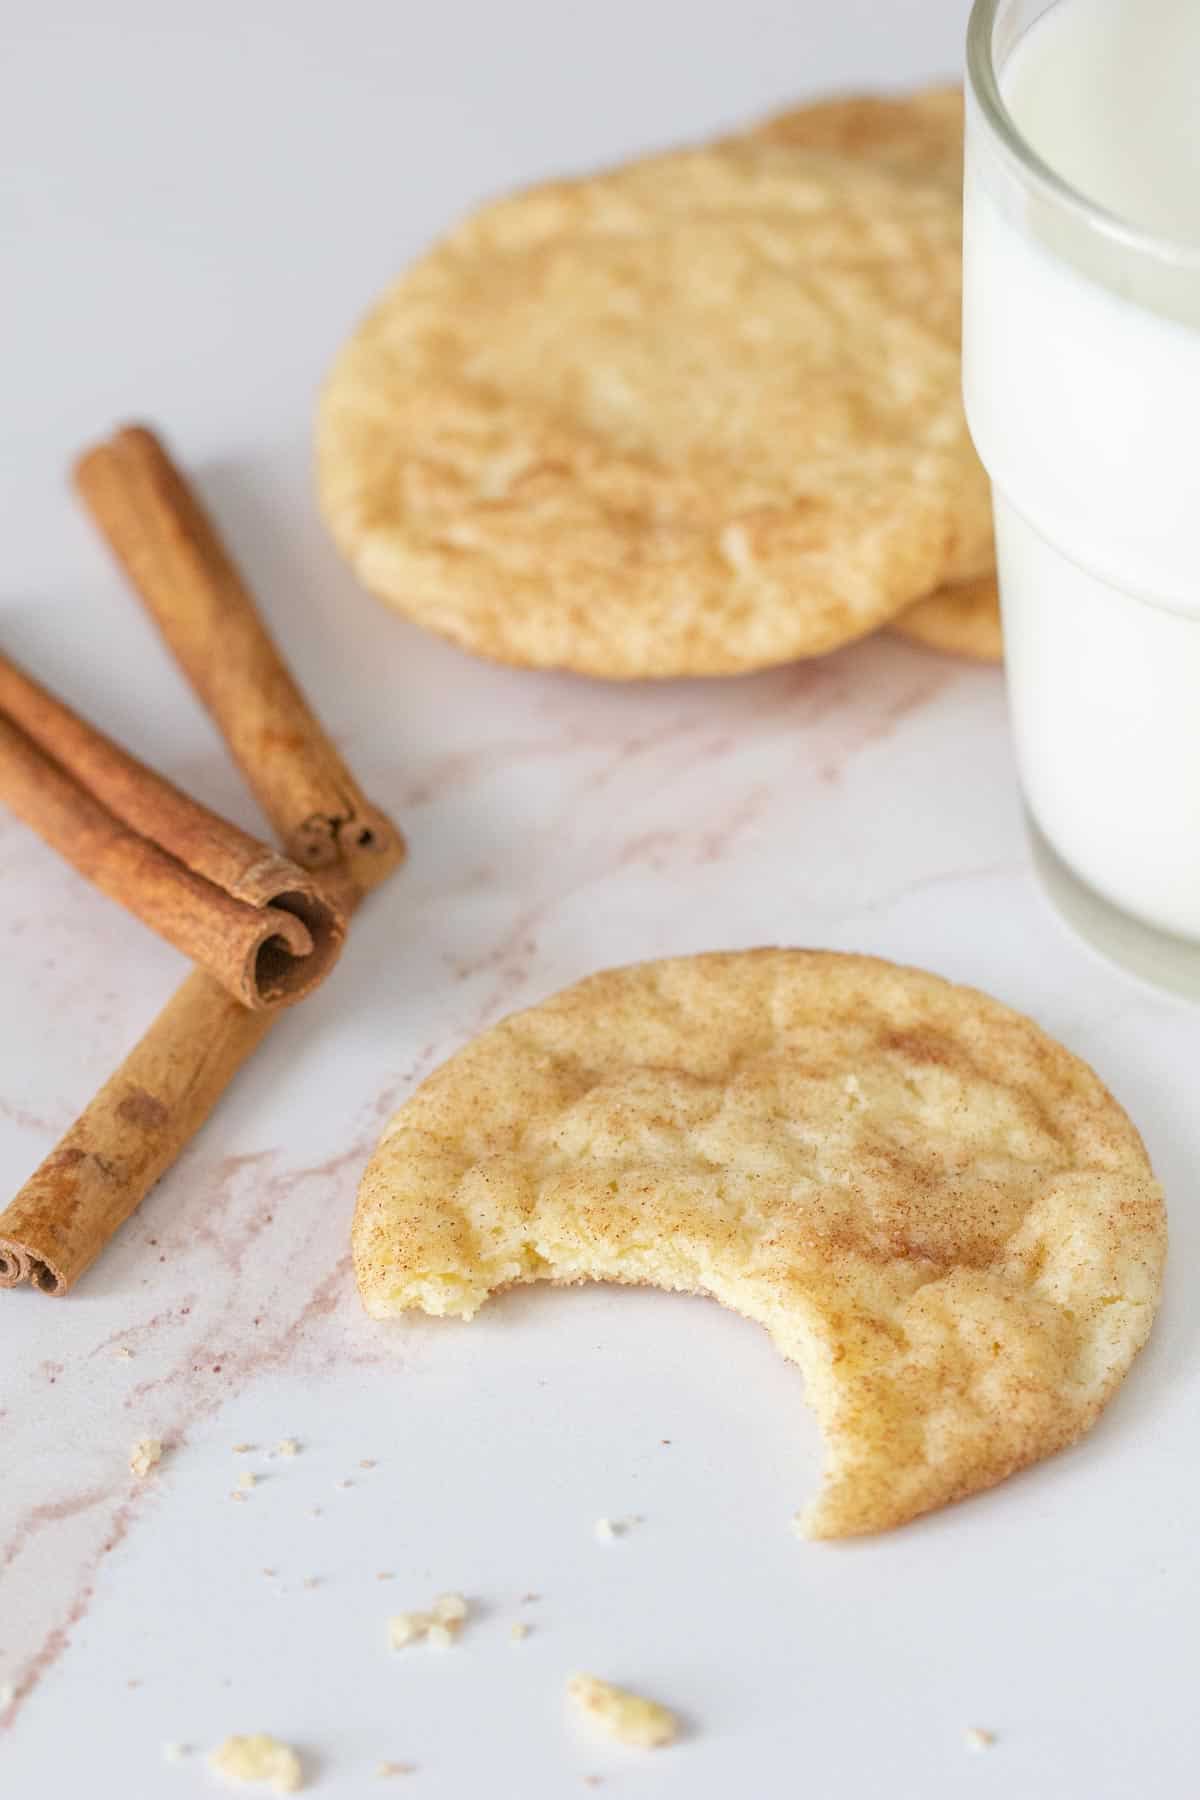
[1082, 386]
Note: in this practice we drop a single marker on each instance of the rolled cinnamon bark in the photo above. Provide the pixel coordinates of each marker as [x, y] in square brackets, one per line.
[161, 535]
[127, 1136]
[252, 918]
[144, 800]
[143, 1116]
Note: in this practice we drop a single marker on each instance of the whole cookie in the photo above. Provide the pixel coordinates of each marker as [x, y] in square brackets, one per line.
[962, 620]
[695, 416]
[940, 1214]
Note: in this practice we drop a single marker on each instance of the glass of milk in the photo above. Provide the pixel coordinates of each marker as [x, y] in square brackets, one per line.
[1081, 373]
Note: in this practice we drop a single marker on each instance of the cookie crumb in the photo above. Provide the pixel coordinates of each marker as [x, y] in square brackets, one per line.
[238, 1494]
[406, 1628]
[530, 1599]
[124, 1352]
[368, 1462]
[270, 1574]
[519, 1632]
[629, 1718]
[344, 1484]
[314, 1512]
[976, 1738]
[439, 1627]
[145, 1455]
[385, 1575]
[384, 1769]
[247, 1479]
[242, 1449]
[287, 1447]
[135, 1681]
[241, 1760]
[311, 1581]
[609, 1529]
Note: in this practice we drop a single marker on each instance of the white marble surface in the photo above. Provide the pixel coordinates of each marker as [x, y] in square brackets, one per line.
[196, 202]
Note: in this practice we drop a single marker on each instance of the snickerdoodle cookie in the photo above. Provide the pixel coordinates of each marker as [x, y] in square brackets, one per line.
[938, 1212]
[962, 619]
[696, 415]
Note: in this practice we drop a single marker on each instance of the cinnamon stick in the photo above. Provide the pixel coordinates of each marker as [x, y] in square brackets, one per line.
[165, 541]
[252, 918]
[167, 1086]
[128, 1136]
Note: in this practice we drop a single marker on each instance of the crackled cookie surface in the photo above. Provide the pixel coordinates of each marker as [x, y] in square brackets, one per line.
[940, 1214]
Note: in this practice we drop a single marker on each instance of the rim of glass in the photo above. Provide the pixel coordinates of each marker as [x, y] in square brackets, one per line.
[985, 88]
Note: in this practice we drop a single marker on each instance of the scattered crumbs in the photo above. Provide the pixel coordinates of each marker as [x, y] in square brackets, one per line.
[518, 1632]
[247, 1479]
[384, 1769]
[258, 1758]
[976, 1738]
[242, 1449]
[175, 1753]
[146, 1453]
[368, 1462]
[629, 1718]
[311, 1581]
[8, 1694]
[287, 1447]
[439, 1627]
[385, 1575]
[124, 1352]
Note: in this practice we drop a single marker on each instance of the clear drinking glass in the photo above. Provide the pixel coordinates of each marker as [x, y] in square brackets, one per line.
[1081, 377]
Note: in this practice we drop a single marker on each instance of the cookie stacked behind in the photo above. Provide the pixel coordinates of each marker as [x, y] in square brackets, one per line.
[695, 416]
[962, 619]
[922, 135]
